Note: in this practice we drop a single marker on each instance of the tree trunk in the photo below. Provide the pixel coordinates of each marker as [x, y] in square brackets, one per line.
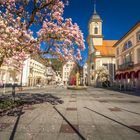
[1, 61]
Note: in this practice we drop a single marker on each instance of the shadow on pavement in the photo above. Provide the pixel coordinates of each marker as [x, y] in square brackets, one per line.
[19, 113]
[37, 98]
[29, 99]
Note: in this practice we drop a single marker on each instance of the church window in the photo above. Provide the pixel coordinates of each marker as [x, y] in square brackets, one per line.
[95, 30]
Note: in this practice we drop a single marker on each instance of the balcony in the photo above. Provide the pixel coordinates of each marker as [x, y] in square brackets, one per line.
[126, 66]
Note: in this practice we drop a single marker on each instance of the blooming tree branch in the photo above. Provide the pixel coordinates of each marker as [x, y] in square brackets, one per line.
[16, 38]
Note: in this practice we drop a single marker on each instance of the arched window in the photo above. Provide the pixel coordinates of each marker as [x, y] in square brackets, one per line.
[129, 44]
[95, 30]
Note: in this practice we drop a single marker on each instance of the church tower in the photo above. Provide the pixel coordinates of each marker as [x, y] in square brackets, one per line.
[95, 38]
[95, 29]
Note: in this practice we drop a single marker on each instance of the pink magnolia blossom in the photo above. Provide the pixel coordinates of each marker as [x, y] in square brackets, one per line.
[17, 41]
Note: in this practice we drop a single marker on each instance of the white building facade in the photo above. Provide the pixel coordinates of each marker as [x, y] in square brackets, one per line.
[67, 68]
[33, 73]
[85, 74]
[9, 75]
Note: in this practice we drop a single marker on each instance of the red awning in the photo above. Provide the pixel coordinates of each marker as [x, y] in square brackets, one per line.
[116, 76]
[137, 74]
[120, 76]
[132, 74]
[126, 75]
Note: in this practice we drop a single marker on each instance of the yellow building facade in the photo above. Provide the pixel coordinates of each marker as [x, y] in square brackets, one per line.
[128, 59]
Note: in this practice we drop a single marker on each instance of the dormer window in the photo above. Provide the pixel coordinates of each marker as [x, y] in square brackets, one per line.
[95, 30]
[127, 45]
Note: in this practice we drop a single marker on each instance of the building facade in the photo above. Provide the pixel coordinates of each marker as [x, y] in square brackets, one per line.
[85, 74]
[9, 75]
[50, 75]
[101, 52]
[67, 68]
[34, 72]
[128, 59]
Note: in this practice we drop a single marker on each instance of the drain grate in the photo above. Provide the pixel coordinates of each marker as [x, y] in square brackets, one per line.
[65, 128]
[136, 127]
[114, 109]
[71, 109]
[4, 125]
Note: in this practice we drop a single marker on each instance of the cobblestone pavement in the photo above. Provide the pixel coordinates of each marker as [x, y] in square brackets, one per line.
[92, 114]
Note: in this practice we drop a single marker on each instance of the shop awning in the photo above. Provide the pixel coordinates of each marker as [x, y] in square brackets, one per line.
[132, 74]
[137, 74]
[126, 75]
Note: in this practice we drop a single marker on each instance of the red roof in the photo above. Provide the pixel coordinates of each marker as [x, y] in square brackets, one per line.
[107, 48]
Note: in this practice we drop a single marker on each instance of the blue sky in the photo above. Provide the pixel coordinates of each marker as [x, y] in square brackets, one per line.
[118, 16]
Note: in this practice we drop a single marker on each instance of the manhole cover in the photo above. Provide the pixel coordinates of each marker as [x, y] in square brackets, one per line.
[115, 109]
[65, 128]
[71, 109]
[4, 125]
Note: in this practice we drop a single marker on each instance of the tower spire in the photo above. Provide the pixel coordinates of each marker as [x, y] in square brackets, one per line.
[95, 7]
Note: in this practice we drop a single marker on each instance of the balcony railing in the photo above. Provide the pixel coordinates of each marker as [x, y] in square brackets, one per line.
[126, 66]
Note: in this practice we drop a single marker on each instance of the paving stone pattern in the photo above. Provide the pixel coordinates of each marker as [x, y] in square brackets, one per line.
[43, 122]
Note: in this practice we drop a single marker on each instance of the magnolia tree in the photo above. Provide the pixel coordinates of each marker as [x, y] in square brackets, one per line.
[18, 20]
[102, 74]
